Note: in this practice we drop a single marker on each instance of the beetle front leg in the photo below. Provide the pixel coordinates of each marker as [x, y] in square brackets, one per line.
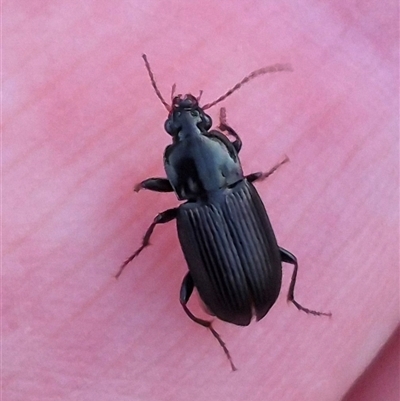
[154, 184]
[223, 126]
[260, 176]
[185, 294]
[161, 218]
[288, 257]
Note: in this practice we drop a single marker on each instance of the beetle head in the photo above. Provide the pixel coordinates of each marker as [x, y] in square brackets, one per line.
[186, 110]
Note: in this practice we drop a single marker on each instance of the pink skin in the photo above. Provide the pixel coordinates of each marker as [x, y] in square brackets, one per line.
[82, 125]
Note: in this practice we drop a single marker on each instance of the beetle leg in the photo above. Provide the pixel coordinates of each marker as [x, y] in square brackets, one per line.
[223, 126]
[288, 257]
[185, 294]
[161, 218]
[260, 176]
[155, 184]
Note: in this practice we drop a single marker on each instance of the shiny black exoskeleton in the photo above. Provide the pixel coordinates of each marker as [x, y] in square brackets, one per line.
[227, 239]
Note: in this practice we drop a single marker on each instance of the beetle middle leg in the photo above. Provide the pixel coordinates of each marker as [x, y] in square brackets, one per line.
[185, 294]
[260, 176]
[161, 218]
[288, 257]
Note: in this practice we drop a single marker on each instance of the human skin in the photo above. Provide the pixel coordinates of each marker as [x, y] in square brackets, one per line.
[82, 125]
[381, 380]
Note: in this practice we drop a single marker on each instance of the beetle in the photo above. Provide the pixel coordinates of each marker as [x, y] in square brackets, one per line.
[234, 260]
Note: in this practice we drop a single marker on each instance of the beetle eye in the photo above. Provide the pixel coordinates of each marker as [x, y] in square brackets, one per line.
[170, 127]
[194, 113]
[207, 121]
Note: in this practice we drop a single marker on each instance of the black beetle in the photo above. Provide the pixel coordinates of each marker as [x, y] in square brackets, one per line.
[227, 239]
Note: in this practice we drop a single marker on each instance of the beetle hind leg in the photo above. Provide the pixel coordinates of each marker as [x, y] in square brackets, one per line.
[185, 294]
[288, 257]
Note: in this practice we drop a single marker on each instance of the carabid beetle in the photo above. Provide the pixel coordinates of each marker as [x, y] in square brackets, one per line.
[227, 239]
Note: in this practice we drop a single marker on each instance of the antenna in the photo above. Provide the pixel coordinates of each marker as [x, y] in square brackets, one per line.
[153, 83]
[173, 92]
[254, 74]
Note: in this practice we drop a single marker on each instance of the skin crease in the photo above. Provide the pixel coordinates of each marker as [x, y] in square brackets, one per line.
[82, 125]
